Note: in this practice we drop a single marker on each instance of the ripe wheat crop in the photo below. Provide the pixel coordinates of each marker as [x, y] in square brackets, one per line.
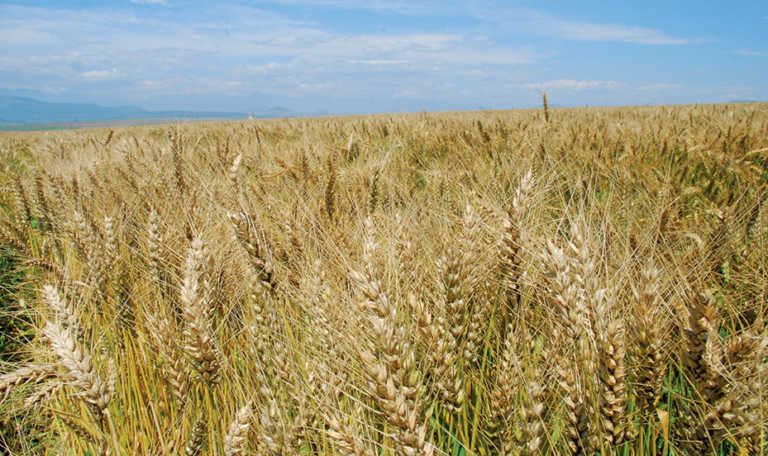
[557, 281]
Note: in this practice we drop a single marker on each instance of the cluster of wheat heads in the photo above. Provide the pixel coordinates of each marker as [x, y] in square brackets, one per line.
[475, 283]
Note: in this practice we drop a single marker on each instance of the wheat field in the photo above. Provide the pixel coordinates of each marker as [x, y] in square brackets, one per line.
[552, 281]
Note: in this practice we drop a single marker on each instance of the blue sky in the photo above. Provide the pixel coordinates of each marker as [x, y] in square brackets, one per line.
[345, 56]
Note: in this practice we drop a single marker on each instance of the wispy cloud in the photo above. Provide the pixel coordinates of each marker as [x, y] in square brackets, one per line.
[659, 86]
[750, 53]
[100, 74]
[404, 7]
[538, 23]
[572, 84]
[586, 31]
[586, 84]
[379, 62]
[17, 34]
[150, 2]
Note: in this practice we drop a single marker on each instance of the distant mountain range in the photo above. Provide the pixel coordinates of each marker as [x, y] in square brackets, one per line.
[26, 111]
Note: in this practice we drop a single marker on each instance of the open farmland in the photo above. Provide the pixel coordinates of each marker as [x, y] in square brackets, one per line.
[568, 281]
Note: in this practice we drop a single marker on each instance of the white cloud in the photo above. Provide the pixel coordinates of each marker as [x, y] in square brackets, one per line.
[660, 86]
[100, 74]
[262, 70]
[23, 36]
[585, 31]
[317, 86]
[376, 47]
[537, 23]
[573, 84]
[379, 62]
[398, 6]
[750, 53]
[409, 93]
[584, 84]
[149, 2]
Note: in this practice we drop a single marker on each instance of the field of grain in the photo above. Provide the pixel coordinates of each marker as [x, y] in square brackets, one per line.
[569, 281]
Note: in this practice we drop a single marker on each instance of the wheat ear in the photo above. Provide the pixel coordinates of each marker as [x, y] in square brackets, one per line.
[196, 437]
[198, 332]
[30, 374]
[76, 360]
[613, 378]
[649, 338]
[236, 440]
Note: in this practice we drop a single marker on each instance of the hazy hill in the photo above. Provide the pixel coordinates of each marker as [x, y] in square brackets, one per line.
[22, 110]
